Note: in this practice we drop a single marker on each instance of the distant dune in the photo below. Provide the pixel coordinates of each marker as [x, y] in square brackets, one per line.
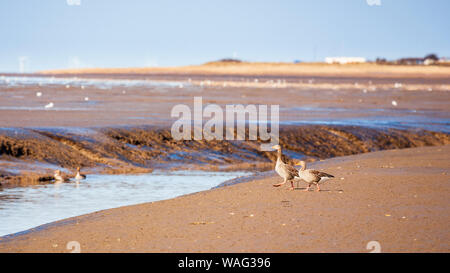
[273, 69]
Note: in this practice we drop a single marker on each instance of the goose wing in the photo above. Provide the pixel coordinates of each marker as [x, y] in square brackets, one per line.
[291, 170]
[319, 175]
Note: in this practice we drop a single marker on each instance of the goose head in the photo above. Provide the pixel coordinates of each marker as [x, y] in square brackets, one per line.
[301, 163]
[276, 147]
[57, 174]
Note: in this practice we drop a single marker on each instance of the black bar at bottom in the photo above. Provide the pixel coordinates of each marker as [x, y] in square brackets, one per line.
[221, 262]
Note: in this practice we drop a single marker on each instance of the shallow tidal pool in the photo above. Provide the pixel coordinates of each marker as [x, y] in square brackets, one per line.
[23, 208]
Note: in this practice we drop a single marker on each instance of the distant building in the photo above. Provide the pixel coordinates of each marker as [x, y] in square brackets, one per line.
[429, 61]
[410, 61]
[344, 60]
[381, 61]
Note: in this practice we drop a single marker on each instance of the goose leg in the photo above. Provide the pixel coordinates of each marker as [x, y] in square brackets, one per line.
[277, 185]
[292, 186]
[318, 188]
[307, 189]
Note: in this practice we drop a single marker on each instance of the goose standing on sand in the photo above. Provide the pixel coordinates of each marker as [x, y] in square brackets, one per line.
[59, 177]
[287, 172]
[79, 176]
[312, 176]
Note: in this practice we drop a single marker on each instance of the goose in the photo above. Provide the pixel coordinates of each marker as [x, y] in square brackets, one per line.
[311, 176]
[59, 177]
[287, 172]
[79, 176]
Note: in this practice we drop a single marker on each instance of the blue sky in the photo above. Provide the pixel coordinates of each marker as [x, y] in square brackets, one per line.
[50, 34]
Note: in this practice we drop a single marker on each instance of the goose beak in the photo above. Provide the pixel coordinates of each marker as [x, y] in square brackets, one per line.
[298, 163]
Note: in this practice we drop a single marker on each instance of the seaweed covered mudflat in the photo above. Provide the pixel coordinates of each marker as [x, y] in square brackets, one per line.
[30, 155]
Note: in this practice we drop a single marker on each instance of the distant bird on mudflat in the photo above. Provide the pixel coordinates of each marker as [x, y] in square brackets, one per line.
[60, 177]
[49, 105]
[79, 176]
[312, 176]
[286, 171]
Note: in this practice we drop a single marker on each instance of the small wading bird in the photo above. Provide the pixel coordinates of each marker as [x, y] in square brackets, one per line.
[312, 176]
[79, 176]
[59, 177]
[287, 172]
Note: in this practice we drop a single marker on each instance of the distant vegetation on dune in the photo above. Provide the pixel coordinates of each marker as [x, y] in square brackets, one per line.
[225, 61]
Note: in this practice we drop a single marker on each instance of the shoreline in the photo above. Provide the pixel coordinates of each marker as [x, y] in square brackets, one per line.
[420, 82]
[383, 196]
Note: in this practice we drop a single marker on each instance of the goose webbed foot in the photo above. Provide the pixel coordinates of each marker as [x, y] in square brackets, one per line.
[292, 186]
[279, 184]
[307, 188]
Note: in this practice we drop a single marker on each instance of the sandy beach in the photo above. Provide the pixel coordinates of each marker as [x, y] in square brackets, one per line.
[336, 71]
[398, 198]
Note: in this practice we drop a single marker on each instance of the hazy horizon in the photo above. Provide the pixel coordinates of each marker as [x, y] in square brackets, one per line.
[61, 34]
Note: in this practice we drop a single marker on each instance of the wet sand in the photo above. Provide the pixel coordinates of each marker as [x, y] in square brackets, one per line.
[118, 120]
[142, 97]
[398, 198]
